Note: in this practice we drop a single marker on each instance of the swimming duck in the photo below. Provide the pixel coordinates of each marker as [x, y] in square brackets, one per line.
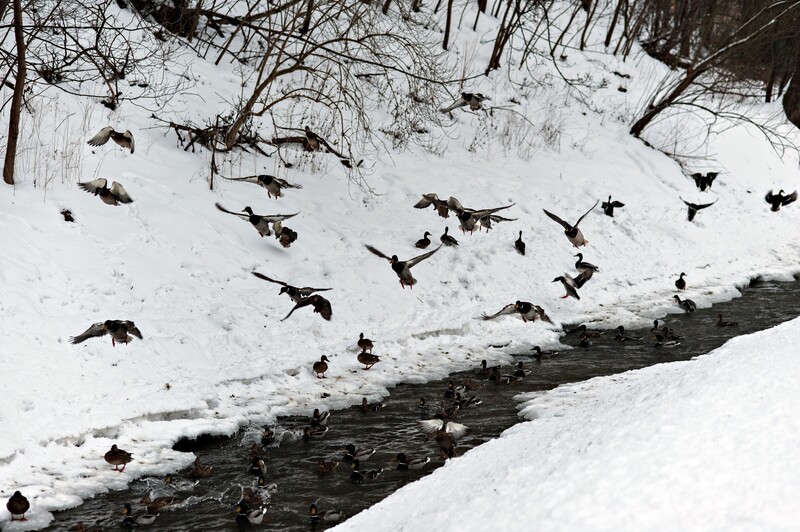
[120, 331]
[258, 466]
[704, 182]
[432, 199]
[159, 503]
[364, 343]
[351, 453]
[320, 419]
[445, 433]
[296, 294]
[117, 457]
[694, 207]
[505, 379]
[779, 199]
[584, 342]
[520, 373]
[487, 370]
[199, 470]
[403, 268]
[572, 232]
[368, 359]
[123, 139]
[327, 515]
[448, 240]
[582, 330]
[422, 408]
[321, 367]
[519, 244]
[423, 242]
[622, 337]
[609, 206]
[314, 433]
[267, 437]
[273, 185]
[722, 323]
[666, 332]
[245, 516]
[261, 222]
[464, 403]
[414, 464]
[450, 392]
[251, 496]
[358, 476]
[661, 341]
[80, 527]
[131, 520]
[17, 506]
[680, 283]
[687, 304]
[110, 196]
[321, 306]
[473, 99]
[538, 354]
[569, 285]
[326, 467]
[366, 406]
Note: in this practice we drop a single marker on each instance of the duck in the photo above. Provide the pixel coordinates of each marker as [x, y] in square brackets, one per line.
[520, 245]
[267, 437]
[159, 503]
[320, 305]
[364, 343]
[487, 370]
[246, 516]
[538, 354]
[780, 199]
[488, 219]
[573, 234]
[526, 310]
[321, 367]
[464, 403]
[113, 195]
[505, 379]
[694, 207]
[448, 240]
[622, 337]
[520, 373]
[423, 242]
[584, 342]
[609, 206]
[261, 222]
[284, 235]
[413, 464]
[258, 466]
[326, 515]
[273, 185]
[445, 433]
[473, 99]
[450, 392]
[358, 476]
[120, 331]
[680, 283]
[314, 433]
[199, 470]
[295, 294]
[366, 406]
[722, 323]
[313, 141]
[403, 267]
[326, 467]
[117, 457]
[704, 182]
[661, 341]
[666, 332]
[351, 453]
[251, 496]
[582, 330]
[17, 506]
[131, 520]
[687, 304]
[123, 139]
[468, 218]
[368, 359]
[320, 419]
[569, 285]
[440, 206]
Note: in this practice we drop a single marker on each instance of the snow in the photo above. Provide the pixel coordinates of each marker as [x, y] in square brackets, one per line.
[181, 270]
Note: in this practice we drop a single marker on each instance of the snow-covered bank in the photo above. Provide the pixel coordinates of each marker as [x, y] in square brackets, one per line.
[707, 444]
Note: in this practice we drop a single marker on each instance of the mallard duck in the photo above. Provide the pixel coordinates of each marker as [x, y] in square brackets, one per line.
[326, 515]
[487, 370]
[321, 306]
[273, 185]
[468, 218]
[582, 330]
[123, 139]
[120, 331]
[694, 207]
[622, 337]
[368, 359]
[326, 467]
[244, 515]
[117, 457]
[403, 267]
[251, 496]
[464, 403]
[663, 342]
[423, 409]
[450, 392]
[267, 437]
[569, 285]
[17, 506]
[445, 433]
[110, 196]
[296, 294]
[488, 219]
[501, 378]
[687, 304]
[321, 367]
[609, 206]
[314, 433]
[572, 232]
[366, 406]
[357, 475]
[432, 199]
[519, 244]
[260, 221]
[704, 182]
[351, 453]
[666, 332]
[423, 242]
[526, 310]
[199, 470]
[414, 464]
[131, 520]
[473, 99]
[364, 343]
[779, 199]
[284, 235]
[320, 419]
[680, 283]
[268, 489]
[258, 466]
[520, 372]
[159, 503]
[584, 342]
[586, 270]
[312, 140]
[722, 323]
[448, 240]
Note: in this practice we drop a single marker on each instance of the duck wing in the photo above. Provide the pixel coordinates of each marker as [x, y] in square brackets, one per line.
[377, 252]
[420, 258]
[430, 426]
[119, 192]
[508, 309]
[272, 218]
[321, 306]
[132, 329]
[270, 279]
[101, 138]
[250, 179]
[454, 205]
[426, 201]
[307, 290]
[286, 184]
[587, 212]
[552, 216]
[96, 185]
[239, 214]
[789, 199]
[704, 205]
[306, 301]
[96, 330]
[484, 212]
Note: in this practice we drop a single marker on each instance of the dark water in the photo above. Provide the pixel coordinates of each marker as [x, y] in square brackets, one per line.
[292, 463]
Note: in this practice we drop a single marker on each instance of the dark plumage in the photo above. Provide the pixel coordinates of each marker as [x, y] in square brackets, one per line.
[320, 419]
[609, 206]
[366, 406]
[694, 207]
[321, 367]
[199, 470]
[295, 293]
[622, 337]
[572, 232]
[351, 453]
[687, 304]
[414, 464]
[110, 196]
[429, 199]
[445, 433]
[779, 199]
[368, 359]
[448, 240]
[358, 476]
[527, 311]
[423, 242]
[273, 185]
[722, 323]
[124, 139]
[261, 222]
[680, 283]
[519, 244]
[120, 331]
[321, 306]
[17, 505]
[364, 343]
[130, 520]
[117, 457]
[327, 515]
[704, 181]
[569, 285]
[473, 99]
[403, 268]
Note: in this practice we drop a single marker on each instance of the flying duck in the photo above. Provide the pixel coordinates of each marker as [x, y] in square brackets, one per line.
[120, 331]
[468, 218]
[414, 464]
[487, 220]
[445, 433]
[110, 196]
[326, 515]
[295, 293]
[130, 520]
[585, 269]
[704, 182]
[351, 453]
[527, 311]
[622, 337]
[117, 457]
[321, 367]
[572, 232]
[259, 221]
[609, 206]
[779, 199]
[124, 139]
[364, 343]
[473, 99]
[17, 505]
[423, 242]
[722, 323]
[432, 199]
[680, 283]
[403, 268]
[448, 240]
[519, 244]
[321, 306]
[357, 476]
[687, 304]
[273, 185]
[368, 359]
[694, 207]
[245, 516]
[570, 286]
[320, 419]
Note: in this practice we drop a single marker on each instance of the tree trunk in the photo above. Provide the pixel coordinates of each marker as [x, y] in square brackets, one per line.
[448, 24]
[16, 100]
[791, 100]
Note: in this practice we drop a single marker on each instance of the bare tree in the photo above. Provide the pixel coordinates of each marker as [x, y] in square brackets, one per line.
[16, 101]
